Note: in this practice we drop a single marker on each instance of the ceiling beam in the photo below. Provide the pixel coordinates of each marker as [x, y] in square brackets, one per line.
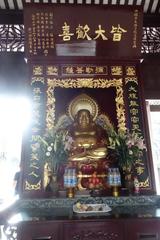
[11, 16]
[151, 20]
[16, 17]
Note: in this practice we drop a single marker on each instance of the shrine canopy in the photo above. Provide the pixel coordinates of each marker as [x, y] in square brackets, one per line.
[113, 32]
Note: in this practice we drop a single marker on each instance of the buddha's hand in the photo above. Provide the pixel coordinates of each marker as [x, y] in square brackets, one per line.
[98, 153]
[78, 156]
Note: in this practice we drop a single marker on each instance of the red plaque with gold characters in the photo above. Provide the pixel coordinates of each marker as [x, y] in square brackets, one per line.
[115, 33]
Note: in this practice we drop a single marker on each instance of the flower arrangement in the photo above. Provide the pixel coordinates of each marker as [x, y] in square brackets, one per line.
[126, 147]
[55, 145]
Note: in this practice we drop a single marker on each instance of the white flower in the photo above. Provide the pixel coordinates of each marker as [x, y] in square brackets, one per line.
[130, 152]
[141, 144]
[49, 148]
[52, 144]
[48, 154]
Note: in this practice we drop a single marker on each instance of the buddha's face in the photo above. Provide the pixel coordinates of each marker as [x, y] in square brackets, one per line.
[84, 118]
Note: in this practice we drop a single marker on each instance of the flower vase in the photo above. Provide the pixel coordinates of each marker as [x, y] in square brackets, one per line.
[129, 181]
[52, 185]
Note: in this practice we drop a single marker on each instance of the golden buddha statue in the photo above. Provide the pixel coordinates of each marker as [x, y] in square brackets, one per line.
[87, 132]
[89, 141]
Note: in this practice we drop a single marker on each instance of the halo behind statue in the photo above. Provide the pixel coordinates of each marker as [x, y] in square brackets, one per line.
[83, 101]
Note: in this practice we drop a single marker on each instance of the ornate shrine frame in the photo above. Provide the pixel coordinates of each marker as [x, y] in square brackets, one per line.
[44, 88]
[84, 83]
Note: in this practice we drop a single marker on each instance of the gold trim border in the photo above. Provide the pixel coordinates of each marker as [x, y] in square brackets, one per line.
[53, 83]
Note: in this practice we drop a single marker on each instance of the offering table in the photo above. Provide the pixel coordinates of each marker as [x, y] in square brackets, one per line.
[51, 220]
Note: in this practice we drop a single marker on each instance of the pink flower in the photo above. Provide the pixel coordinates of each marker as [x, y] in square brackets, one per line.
[68, 143]
[130, 143]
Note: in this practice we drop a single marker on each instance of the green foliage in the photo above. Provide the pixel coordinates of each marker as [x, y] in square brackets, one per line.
[126, 147]
[56, 143]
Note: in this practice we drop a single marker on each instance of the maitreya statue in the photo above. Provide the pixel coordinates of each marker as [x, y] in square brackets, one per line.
[88, 129]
